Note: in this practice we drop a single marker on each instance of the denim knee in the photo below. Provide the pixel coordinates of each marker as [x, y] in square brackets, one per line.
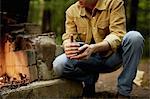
[134, 38]
[59, 64]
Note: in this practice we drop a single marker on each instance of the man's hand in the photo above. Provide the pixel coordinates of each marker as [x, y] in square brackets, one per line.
[71, 49]
[85, 52]
[74, 51]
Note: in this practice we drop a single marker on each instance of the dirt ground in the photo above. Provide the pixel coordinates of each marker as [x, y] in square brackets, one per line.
[106, 87]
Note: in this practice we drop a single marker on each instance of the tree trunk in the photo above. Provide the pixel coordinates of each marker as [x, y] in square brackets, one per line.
[36, 10]
[133, 14]
[46, 21]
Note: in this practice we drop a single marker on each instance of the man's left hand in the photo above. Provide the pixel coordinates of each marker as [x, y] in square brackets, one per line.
[85, 52]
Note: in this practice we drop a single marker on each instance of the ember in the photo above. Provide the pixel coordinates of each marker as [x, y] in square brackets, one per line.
[1, 80]
[11, 83]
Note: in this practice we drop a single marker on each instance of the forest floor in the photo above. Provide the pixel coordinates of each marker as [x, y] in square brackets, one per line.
[106, 86]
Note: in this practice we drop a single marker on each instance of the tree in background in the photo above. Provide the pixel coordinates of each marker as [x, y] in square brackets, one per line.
[133, 14]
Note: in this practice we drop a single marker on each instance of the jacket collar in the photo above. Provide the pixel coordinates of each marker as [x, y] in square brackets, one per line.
[100, 5]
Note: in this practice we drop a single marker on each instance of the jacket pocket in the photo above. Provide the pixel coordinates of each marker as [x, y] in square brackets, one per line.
[103, 24]
[80, 22]
[82, 31]
[103, 28]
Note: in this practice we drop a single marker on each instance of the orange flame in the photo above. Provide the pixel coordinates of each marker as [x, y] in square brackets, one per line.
[13, 62]
[2, 70]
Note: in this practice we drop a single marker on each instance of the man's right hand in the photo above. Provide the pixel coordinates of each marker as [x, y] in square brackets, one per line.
[71, 48]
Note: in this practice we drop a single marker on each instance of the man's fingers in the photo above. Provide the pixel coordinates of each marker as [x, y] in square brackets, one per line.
[71, 48]
[83, 47]
[78, 57]
[81, 56]
[71, 52]
[71, 55]
[74, 44]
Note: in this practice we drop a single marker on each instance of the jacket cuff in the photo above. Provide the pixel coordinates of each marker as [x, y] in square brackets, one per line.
[114, 41]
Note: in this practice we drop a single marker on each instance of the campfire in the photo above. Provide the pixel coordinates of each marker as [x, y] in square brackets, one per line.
[24, 54]
[13, 66]
[24, 49]
[13, 63]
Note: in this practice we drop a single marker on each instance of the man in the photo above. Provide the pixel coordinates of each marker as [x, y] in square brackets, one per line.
[100, 24]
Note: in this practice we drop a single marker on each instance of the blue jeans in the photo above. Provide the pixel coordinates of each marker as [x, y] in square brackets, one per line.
[128, 55]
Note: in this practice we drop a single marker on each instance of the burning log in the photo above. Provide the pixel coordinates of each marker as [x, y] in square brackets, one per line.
[12, 83]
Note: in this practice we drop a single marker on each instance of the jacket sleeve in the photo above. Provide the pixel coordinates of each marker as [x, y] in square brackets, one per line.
[70, 26]
[117, 25]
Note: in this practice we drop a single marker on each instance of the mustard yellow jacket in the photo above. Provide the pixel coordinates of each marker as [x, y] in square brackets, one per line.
[107, 22]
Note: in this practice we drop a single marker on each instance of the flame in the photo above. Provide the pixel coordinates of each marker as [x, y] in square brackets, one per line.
[13, 62]
[1, 79]
[2, 70]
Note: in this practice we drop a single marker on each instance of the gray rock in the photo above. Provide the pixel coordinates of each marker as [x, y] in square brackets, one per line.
[59, 50]
[58, 88]
[33, 73]
[43, 72]
[45, 48]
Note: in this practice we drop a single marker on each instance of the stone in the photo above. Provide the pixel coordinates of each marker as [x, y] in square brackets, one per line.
[59, 50]
[45, 48]
[33, 73]
[31, 57]
[32, 28]
[58, 88]
[43, 72]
